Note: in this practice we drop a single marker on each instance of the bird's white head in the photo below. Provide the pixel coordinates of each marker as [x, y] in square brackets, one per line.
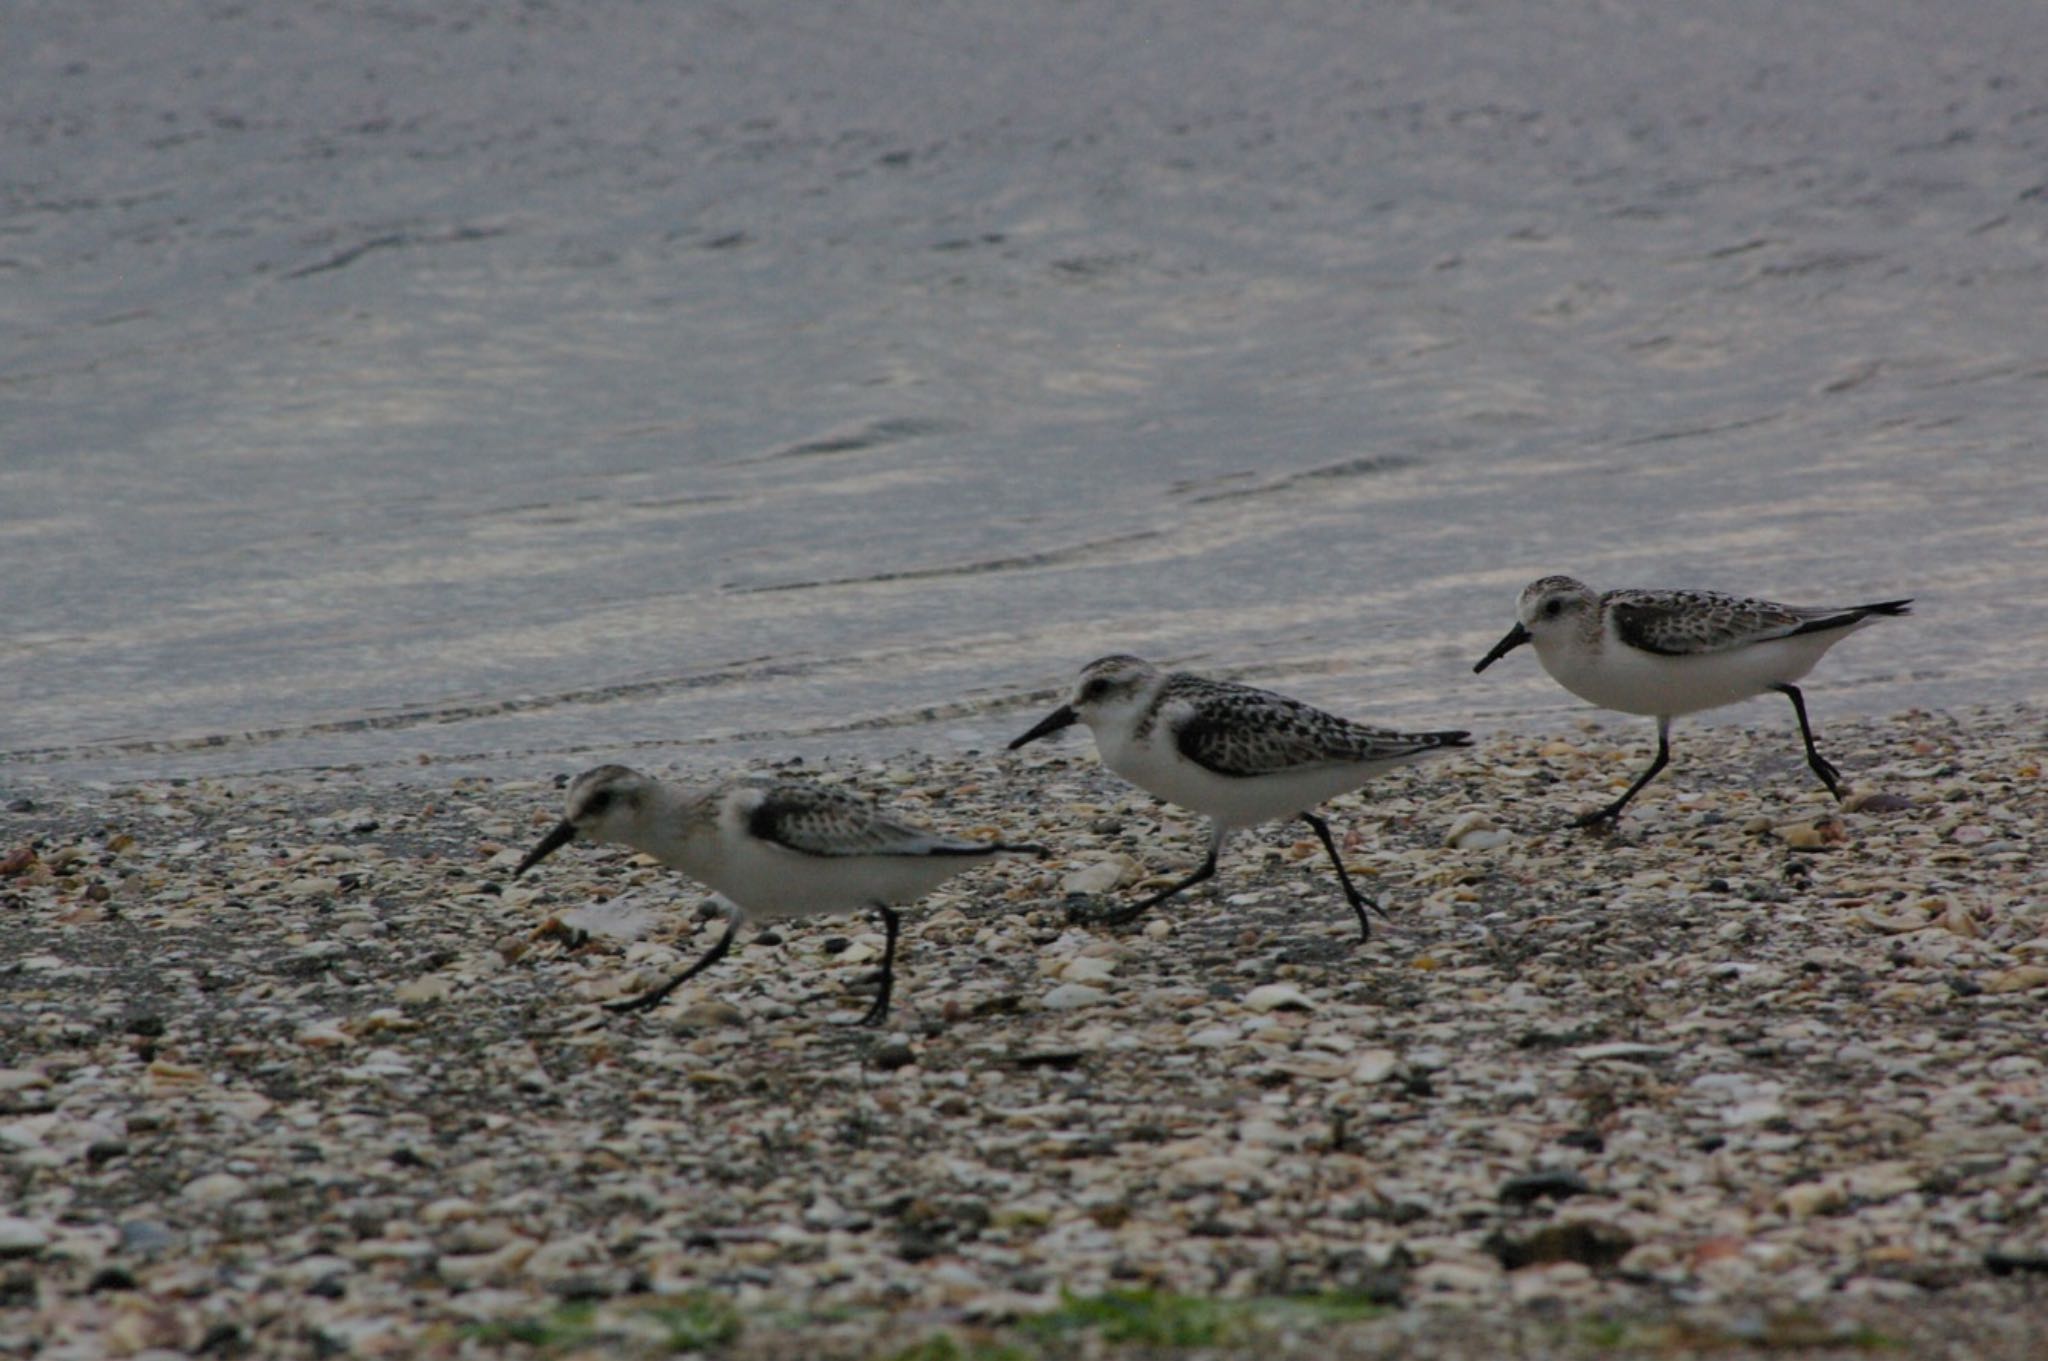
[1553, 607]
[1551, 610]
[606, 803]
[1109, 690]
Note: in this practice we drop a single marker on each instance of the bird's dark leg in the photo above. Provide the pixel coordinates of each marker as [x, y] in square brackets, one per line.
[891, 924]
[1822, 767]
[1613, 810]
[1130, 912]
[1359, 902]
[1118, 916]
[653, 996]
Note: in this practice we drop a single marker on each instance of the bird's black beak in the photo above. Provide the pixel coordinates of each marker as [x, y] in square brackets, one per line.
[1062, 717]
[564, 832]
[1516, 637]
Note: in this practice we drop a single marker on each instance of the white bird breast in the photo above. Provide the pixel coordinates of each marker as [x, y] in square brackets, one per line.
[771, 882]
[1631, 681]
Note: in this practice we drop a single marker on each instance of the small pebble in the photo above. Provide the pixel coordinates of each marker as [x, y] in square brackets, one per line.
[1087, 969]
[22, 1237]
[894, 1055]
[1277, 997]
[1552, 1184]
[216, 1188]
[1100, 877]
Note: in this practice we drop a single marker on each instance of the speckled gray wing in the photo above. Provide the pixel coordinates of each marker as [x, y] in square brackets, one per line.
[1685, 623]
[817, 820]
[1239, 731]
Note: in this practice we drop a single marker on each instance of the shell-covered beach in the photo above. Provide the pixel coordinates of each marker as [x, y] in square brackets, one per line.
[294, 1068]
[411, 403]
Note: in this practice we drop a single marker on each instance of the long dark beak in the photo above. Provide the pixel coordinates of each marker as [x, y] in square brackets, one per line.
[1062, 717]
[564, 832]
[1516, 637]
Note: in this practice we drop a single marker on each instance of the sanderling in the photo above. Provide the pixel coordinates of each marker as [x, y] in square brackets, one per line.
[1666, 653]
[1239, 755]
[774, 848]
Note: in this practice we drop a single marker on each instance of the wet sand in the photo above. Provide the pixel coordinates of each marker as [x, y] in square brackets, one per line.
[489, 384]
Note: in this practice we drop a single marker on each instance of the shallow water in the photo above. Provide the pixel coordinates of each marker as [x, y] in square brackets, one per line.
[505, 388]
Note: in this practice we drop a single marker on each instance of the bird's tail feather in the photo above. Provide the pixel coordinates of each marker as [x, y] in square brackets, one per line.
[988, 848]
[1855, 614]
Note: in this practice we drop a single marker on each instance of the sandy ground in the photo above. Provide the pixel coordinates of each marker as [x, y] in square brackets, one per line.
[294, 1068]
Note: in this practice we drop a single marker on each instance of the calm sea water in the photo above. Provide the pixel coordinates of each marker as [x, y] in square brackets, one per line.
[503, 387]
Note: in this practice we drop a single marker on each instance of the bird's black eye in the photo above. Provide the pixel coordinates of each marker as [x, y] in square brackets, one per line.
[1553, 608]
[1095, 689]
[596, 804]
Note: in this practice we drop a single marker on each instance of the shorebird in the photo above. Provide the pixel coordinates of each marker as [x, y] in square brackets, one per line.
[775, 849]
[1238, 755]
[1667, 653]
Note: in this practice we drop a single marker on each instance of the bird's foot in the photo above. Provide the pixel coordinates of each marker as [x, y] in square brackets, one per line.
[646, 1001]
[876, 1014]
[1360, 904]
[1091, 912]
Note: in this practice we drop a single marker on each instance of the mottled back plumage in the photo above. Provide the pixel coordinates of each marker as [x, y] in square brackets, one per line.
[1242, 731]
[820, 820]
[1685, 623]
